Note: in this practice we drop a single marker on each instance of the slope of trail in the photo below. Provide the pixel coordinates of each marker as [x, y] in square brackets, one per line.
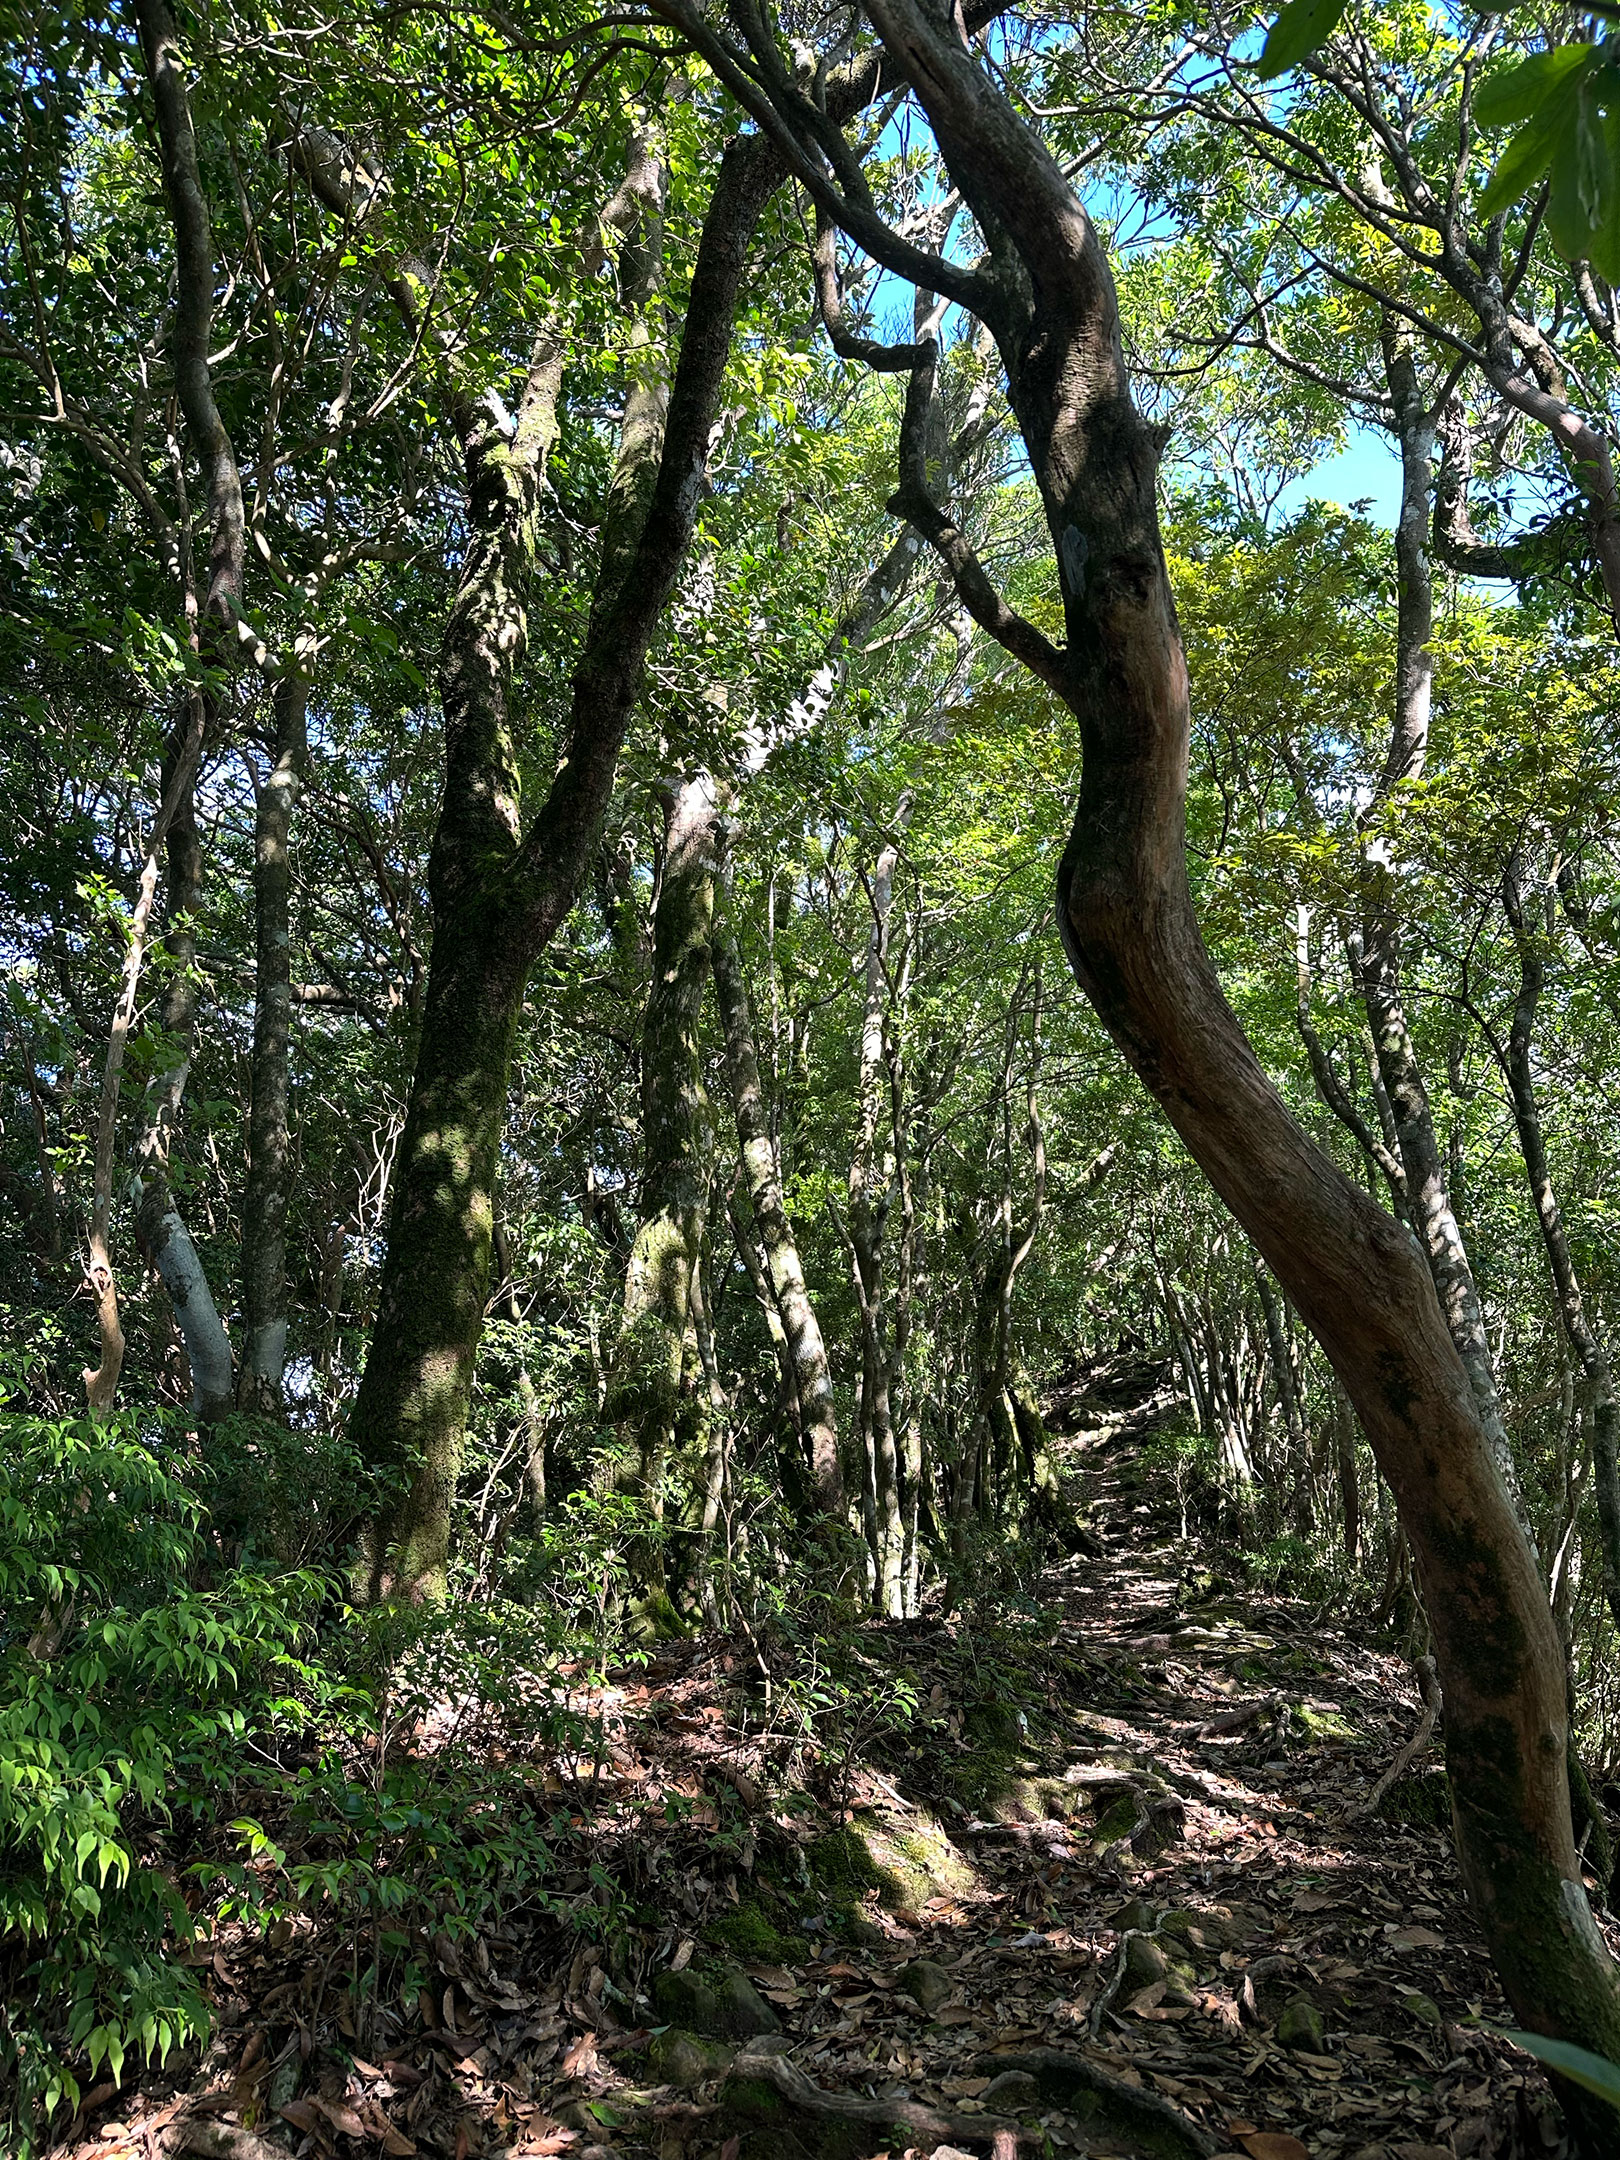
[1088, 1881]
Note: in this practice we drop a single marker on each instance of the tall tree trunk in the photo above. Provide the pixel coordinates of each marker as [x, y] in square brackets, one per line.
[1519, 1065]
[101, 1380]
[215, 621]
[165, 1242]
[646, 1384]
[1428, 1199]
[1129, 927]
[801, 1331]
[499, 900]
[264, 1203]
[870, 1180]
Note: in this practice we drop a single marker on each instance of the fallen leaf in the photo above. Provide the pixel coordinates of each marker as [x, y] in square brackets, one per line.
[581, 2058]
[1416, 1938]
[302, 2114]
[342, 2117]
[1273, 2145]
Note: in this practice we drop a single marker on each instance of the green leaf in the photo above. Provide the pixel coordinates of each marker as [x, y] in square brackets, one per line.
[1523, 162]
[1603, 242]
[1595, 2072]
[1298, 30]
[1582, 182]
[1518, 91]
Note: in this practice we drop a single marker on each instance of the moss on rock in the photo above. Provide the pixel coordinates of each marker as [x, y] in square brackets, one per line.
[750, 1931]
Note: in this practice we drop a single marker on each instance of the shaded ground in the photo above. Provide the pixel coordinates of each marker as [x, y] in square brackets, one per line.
[985, 1875]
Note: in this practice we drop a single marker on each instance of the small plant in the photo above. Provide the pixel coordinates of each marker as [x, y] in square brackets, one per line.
[132, 1682]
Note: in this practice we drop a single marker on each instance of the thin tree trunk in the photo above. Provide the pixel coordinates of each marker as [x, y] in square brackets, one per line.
[101, 1381]
[1519, 1065]
[1432, 1215]
[801, 1331]
[215, 619]
[264, 1204]
[1328, 1084]
[870, 1178]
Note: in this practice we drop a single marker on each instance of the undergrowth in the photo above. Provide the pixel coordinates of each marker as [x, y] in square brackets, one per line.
[199, 1736]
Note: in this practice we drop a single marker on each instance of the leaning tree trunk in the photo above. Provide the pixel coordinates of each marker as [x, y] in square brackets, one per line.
[801, 1331]
[1132, 936]
[499, 899]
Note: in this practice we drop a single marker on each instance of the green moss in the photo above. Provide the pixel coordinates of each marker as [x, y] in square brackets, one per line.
[1324, 1725]
[1116, 1821]
[654, 1618]
[751, 1933]
[840, 1865]
[907, 1859]
[1421, 1799]
[983, 1779]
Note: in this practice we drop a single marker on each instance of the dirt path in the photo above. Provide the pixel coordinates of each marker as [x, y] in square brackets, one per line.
[1093, 1882]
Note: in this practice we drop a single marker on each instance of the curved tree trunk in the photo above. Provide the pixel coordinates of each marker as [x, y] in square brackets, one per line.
[498, 899]
[1129, 927]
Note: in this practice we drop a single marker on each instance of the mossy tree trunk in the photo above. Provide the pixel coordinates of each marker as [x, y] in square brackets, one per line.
[1128, 925]
[499, 892]
[648, 1384]
[802, 1340]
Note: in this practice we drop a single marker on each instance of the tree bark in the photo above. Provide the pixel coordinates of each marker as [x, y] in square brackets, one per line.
[1429, 1202]
[264, 1203]
[646, 1383]
[499, 899]
[1128, 925]
[101, 1380]
[870, 1181]
[801, 1331]
[1519, 1066]
[164, 1239]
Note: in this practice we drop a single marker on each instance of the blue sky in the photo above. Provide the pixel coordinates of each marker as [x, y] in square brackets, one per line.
[1366, 468]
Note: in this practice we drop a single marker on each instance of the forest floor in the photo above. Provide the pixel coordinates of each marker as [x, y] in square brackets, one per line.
[1089, 1881]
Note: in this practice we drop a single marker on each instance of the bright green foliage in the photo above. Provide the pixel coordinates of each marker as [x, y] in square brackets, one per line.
[131, 1687]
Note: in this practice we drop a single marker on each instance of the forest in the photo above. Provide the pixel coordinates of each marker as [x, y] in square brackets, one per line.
[809, 1049]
